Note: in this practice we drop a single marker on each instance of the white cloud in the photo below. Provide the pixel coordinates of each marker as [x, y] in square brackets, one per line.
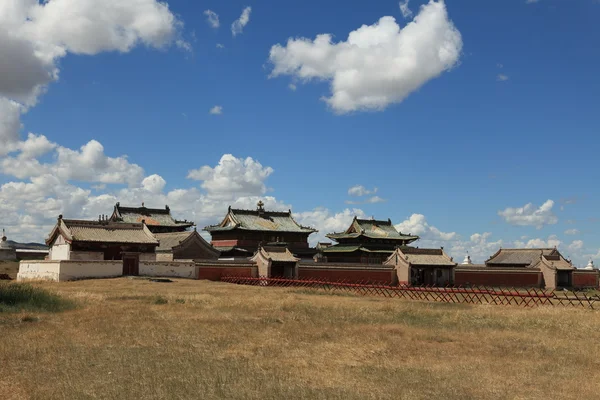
[370, 200]
[212, 18]
[406, 12]
[575, 246]
[417, 224]
[233, 177]
[531, 1]
[360, 190]
[572, 231]
[377, 65]
[326, 221]
[528, 215]
[154, 183]
[502, 78]
[238, 25]
[220, 46]
[216, 110]
[292, 87]
[552, 241]
[35, 35]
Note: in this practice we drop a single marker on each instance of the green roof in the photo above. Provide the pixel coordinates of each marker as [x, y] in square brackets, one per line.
[259, 220]
[374, 229]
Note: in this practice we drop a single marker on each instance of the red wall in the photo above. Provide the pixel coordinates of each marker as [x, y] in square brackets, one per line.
[585, 279]
[348, 275]
[497, 278]
[215, 273]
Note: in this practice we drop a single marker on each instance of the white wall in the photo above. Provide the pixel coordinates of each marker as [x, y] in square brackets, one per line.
[60, 251]
[173, 269]
[71, 270]
[39, 270]
[164, 256]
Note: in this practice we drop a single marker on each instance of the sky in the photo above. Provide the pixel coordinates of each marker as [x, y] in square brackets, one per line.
[472, 124]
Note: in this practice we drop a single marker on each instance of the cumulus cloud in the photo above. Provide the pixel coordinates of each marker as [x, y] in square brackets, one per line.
[502, 78]
[552, 241]
[572, 231]
[360, 190]
[327, 221]
[154, 183]
[417, 224]
[406, 12]
[238, 25]
[220, 46]
[216, 110]
[575, 246]
[212, 18]
[233, 177]
[292, 87]
[35, 35]
[378, 64]
[529, 215]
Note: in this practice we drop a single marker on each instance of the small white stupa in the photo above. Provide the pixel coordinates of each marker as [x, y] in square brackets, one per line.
[6, 252]
[590, 265]
[467, 260]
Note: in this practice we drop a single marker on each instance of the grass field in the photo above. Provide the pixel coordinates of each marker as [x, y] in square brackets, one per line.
[134, 339]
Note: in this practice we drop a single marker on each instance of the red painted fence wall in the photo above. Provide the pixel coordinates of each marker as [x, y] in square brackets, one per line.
[213, 271]
[336, 273]
[585, 279]
[490, 277]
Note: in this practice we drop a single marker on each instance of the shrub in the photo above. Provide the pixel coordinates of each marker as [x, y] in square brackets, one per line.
[160, 300]
[19, 296]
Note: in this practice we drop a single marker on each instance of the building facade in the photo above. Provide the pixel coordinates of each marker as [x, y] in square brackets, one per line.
[242, 232]
[158, 220]
[366, 241]
[188, 245]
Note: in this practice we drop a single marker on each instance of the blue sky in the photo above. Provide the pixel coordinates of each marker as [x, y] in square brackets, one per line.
[511, 121]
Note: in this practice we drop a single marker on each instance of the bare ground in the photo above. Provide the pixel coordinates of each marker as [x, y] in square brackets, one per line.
[133, 338]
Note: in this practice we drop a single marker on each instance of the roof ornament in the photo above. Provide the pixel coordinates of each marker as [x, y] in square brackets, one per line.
[143, 204]
[590, 265]
[467, 260]
[3, 235]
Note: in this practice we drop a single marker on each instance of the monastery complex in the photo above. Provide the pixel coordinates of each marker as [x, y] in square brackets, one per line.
[150, 242]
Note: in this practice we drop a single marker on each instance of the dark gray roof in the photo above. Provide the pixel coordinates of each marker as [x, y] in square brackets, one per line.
[372, 228]
[259, 220]
[150, 216]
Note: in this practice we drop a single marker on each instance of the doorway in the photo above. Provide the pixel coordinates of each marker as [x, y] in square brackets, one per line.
[131, 264]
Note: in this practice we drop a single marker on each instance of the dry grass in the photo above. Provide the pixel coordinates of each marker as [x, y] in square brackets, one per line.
[192, 339]
[11, 268]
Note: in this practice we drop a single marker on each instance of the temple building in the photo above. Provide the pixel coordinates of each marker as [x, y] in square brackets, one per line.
[102, 240]
[188, 245]
[366, 241]
[158, 220]
[418, 267]
[556, 270]
[242, 232]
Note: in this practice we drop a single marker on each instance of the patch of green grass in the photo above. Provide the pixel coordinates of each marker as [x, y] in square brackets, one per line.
[160, 300]
[16, 297]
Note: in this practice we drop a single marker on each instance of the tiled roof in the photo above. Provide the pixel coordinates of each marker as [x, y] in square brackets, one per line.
[170, 240]
[340, 249]
[372, 228]
[277, 254]
[417, 256]
[526, 257]
[151, 216]
[106, 232]
[258, 220]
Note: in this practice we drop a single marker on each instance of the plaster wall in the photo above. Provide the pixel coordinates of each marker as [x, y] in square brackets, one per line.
[86, 256]
[151, 257]
[60, 251]
[164, 256]
[169, 269]
[39, 270]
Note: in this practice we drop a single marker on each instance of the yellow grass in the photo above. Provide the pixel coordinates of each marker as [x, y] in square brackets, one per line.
[215, 340]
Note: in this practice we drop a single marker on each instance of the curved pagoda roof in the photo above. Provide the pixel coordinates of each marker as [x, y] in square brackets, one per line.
[150, 216]
[373, 229]
[259, 220]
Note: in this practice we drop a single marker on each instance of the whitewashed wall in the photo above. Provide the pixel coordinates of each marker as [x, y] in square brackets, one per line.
[147, 257]
[60, 251]
[173, 269]
[39, 270]
[71, 270]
